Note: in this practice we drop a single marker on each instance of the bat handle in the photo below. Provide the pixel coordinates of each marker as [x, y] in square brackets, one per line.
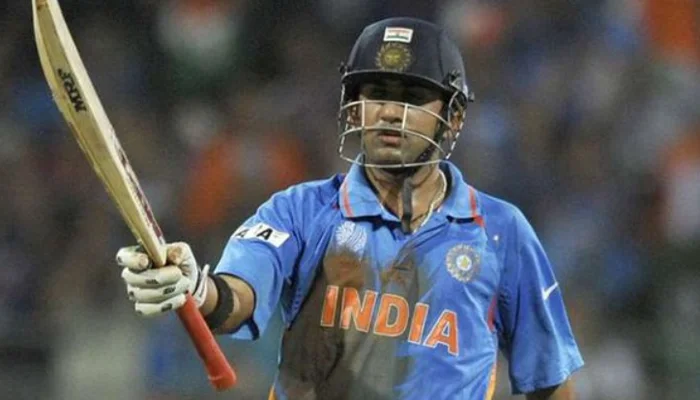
[221, 375]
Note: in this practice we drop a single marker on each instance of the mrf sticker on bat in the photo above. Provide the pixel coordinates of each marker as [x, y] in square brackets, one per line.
[263, 232]
[71, 88]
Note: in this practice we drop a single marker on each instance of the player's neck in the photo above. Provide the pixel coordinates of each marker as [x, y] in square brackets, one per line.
[428, 189]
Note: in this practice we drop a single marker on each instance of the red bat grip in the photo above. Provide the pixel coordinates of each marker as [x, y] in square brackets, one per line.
[221, 375]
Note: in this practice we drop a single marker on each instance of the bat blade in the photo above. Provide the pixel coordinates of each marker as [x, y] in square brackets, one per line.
[82, 110]
[80, 106]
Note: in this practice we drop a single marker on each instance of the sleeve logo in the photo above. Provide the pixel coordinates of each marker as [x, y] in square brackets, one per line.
[262, 232]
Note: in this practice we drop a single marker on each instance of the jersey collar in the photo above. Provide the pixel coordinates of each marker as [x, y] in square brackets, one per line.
[358, 199]
[463, 200]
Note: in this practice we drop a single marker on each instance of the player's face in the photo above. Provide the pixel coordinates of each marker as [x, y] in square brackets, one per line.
[396, 133]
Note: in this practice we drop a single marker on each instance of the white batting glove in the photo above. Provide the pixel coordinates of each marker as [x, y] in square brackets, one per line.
[156, 291]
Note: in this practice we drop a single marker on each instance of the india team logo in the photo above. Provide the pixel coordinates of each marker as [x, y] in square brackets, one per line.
[463, 262]
[394, 57]
[350, 236]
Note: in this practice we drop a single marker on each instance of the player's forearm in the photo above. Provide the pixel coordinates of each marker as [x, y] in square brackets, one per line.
[243, 302]
[565, 391]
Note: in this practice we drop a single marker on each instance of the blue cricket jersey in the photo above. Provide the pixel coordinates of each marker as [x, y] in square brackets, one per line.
[373, 313]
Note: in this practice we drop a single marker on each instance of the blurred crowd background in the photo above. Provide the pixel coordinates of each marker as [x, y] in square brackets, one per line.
[587, 117]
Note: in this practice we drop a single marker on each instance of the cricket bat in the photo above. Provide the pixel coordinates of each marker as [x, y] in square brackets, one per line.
[81, 108]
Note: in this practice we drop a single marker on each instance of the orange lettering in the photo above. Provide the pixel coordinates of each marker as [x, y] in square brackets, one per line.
[392, 329]
[444, 332]
[392, 319]
[418, 323]
[360, 312]
[330, 305]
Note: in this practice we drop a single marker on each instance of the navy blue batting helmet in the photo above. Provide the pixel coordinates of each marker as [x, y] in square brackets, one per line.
[412, 51]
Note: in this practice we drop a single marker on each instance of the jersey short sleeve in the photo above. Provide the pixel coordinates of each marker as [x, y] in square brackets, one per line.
[263, 252]
[535, 334]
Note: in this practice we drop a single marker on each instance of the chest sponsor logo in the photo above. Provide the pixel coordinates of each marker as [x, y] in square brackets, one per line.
[263, 232]
[389, 315]
[463, 262]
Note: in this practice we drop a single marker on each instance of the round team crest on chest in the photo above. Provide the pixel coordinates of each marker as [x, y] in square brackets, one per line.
[463, 262]
[394, 57]
[349, 235]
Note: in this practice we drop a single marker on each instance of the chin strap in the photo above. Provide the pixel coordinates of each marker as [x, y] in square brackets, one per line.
[407, 199]
[407, 185]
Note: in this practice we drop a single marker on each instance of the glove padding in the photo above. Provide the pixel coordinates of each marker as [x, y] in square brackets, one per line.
[155, 291]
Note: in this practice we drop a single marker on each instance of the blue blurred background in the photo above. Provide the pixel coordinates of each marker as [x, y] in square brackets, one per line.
[587, 117]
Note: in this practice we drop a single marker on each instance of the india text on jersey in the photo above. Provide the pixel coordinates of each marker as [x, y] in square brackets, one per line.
[393, 317]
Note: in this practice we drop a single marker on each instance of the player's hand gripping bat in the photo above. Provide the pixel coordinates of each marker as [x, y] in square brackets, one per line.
[81, 108]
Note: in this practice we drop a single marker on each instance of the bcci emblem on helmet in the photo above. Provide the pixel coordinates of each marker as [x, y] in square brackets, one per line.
[394, 57]
[463, 262]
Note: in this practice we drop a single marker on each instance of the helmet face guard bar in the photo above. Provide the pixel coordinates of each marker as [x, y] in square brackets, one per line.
[352, 124]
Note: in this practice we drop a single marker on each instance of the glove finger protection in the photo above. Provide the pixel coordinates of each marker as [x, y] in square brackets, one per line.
[157, 309]
[155, 291]
[133, 258]
[155, 285]
[153, 278]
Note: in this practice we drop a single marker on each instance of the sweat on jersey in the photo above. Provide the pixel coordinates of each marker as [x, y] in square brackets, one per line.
[373, 313]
